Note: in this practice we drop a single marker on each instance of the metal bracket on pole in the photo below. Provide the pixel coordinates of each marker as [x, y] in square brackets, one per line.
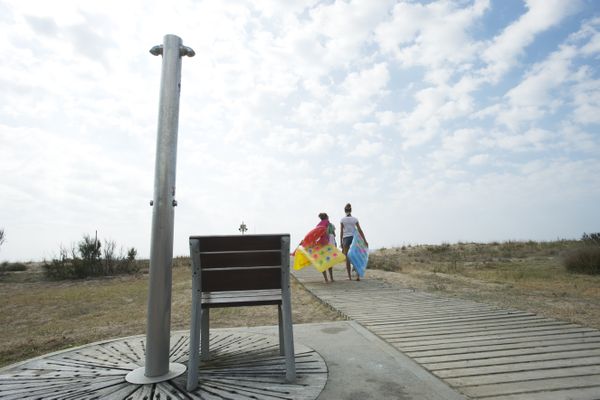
[158, 332]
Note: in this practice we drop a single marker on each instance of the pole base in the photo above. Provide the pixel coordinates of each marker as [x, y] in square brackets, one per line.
[138, 377]
[98, 370]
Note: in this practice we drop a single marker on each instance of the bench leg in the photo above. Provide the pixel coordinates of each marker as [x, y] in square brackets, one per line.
[288, 334]
[286, 312]
[205, 334]
[192, 372]
[281, 335]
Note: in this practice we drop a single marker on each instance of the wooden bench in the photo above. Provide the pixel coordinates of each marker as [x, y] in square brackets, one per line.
[235, 271]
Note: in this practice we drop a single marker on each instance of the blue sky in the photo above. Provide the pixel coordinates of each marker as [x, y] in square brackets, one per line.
[439, 121]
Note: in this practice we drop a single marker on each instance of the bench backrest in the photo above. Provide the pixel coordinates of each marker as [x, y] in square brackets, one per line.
[241, 262]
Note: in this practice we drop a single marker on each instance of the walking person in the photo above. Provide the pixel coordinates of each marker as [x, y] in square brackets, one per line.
[348, 225]
[318, 249]
[330, 239]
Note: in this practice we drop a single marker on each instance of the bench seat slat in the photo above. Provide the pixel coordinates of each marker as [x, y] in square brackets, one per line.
[241, 298]
[238, 268]
[276, 251]
[238, 293]
[248, 303]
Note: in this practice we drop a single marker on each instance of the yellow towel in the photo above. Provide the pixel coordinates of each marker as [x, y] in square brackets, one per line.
[322, 257]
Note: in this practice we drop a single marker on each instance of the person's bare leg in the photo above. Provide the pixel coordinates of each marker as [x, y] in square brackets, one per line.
[345, 251]
[331, 274]
[325, 276]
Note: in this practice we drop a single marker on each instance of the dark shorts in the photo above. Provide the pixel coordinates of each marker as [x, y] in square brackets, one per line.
[347, 241]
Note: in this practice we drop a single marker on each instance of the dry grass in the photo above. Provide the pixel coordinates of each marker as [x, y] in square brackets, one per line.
[522, 275]
[38, 316]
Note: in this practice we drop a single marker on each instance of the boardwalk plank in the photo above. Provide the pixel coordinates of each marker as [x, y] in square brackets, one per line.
[417, 311]
[497, 339]
[518, 367]
[505, 353]
[532, 386]
[393, 338]
[590, 393]
[510, 360]
[472, 326]
[513, 377]
[511, 346]
[392, 320]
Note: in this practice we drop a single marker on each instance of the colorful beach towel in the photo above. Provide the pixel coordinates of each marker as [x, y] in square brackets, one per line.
[358, 254]
[317, 235]
[322, 257]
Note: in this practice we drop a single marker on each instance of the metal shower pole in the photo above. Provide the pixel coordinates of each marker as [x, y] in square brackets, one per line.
[158, 332]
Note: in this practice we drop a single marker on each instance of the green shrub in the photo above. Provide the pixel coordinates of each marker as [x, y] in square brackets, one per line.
[6, 267]
[12, 267]
[59, 268]
[585, 260]
[441, 249]
[128, 265]
[593, 239]
[85, 260]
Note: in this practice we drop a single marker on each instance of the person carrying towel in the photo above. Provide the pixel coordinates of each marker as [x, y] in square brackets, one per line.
[348, 225]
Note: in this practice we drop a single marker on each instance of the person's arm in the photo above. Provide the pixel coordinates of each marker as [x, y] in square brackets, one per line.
[362, 234]
[341, 235]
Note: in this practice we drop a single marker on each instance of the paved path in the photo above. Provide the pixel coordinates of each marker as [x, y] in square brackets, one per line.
[482, 351]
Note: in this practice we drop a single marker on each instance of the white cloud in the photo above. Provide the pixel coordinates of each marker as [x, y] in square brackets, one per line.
[349, 102]
[574, 138]
[505, 49]
[275, 8]
[386, 118]
[435, 106]
[367, 82]
[431, 35]
[358, 94]
[454, 148]
[366, 148]
[479, 159]
[586, 102]
[345, 27]
[533, 139]
[536, 88]
[554, 83]
[593, 46]
[536, 94]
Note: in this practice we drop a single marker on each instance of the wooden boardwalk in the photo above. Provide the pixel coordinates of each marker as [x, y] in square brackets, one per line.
[482, 351]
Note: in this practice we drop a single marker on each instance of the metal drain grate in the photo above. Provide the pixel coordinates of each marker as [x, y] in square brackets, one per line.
[242, 366]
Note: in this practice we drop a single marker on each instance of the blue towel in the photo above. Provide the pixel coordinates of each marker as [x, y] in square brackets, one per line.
[358, 254]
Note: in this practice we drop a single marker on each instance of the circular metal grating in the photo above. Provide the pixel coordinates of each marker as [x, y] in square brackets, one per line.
[242, 366]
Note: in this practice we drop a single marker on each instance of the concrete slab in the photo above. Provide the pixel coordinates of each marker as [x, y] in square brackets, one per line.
[362, 366]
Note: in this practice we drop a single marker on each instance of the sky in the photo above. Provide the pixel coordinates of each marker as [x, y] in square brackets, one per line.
[439, 121]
